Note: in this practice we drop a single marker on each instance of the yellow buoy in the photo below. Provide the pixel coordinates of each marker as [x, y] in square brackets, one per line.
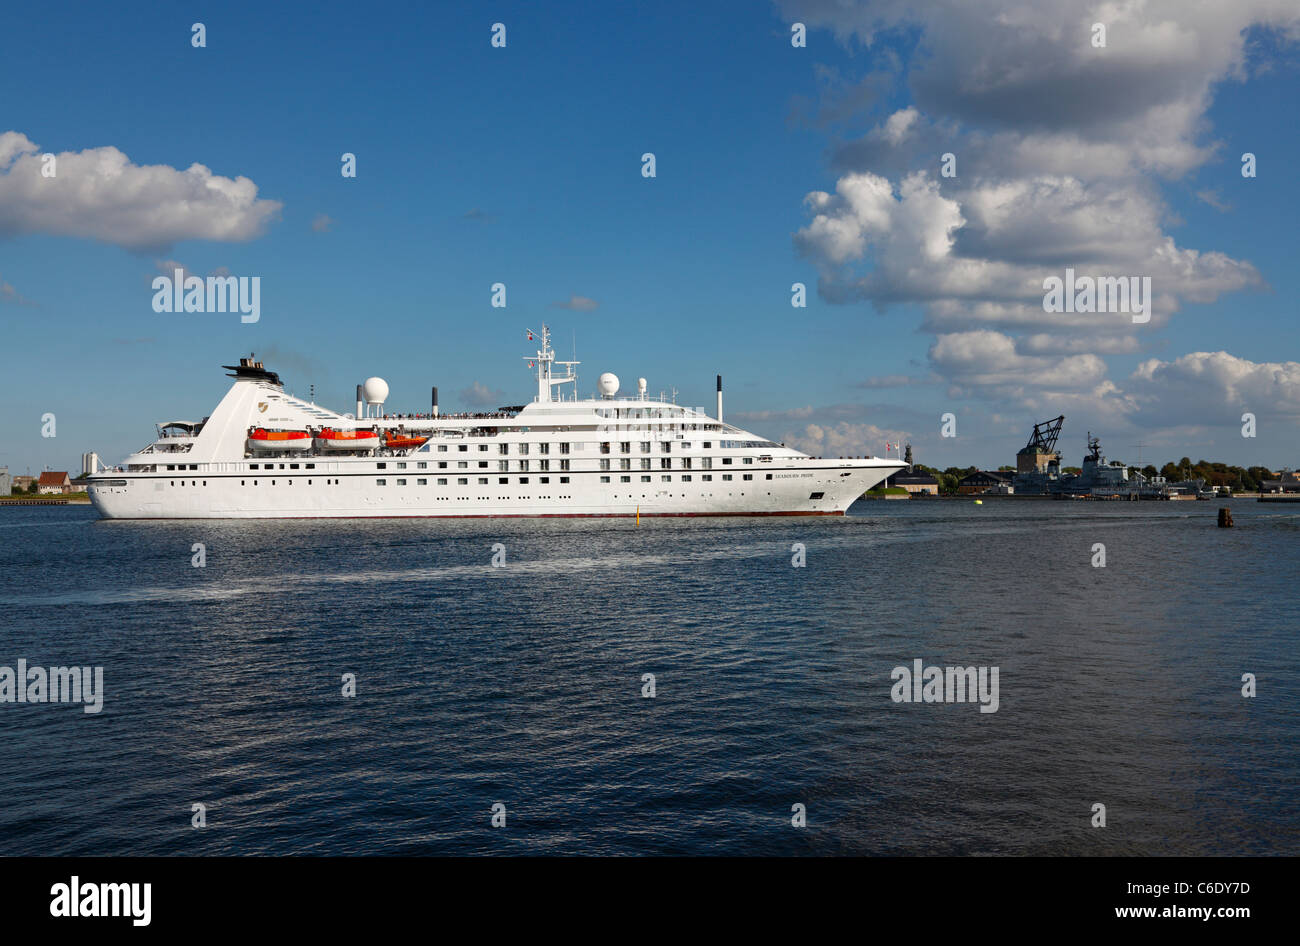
[979, 502]
[638, 515]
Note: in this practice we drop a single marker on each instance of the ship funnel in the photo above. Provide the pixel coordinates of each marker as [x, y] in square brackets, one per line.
[360, 404]
[435, 401]
[719, 399]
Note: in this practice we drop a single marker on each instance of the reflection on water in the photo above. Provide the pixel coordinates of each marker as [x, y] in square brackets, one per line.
[522, 684]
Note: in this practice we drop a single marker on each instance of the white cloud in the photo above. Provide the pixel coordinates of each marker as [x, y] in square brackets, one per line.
[99, 194]
[1059, 150]
[577, 303]
[480, 395]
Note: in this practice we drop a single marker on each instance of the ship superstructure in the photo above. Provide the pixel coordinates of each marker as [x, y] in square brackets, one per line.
[263, 453]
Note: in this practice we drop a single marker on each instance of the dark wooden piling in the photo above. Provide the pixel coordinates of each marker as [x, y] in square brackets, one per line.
[1225, 517]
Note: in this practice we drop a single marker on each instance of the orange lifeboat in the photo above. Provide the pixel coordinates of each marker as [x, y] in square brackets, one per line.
[263, 440]
[331, 439]
[395, 441]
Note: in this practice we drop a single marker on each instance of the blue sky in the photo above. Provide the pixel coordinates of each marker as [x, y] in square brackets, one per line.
[521, 165]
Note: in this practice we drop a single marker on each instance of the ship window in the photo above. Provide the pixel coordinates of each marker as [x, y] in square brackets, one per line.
[543, 479]
[242, 483]
[625, 479]
[665, 479]
[749, 476]
[293, 466]
[726, 476]
[708, 445]
[668, 447]
[523, 480]
[625, 447]
[442, 448]
[309, 482]
[665, 463]
[707, 477]
[503, 448]
[686, 446]
[442, 464]
[564, 479]
[461, 481]
[381, 466]
[482, 464]
[462, 464]
[401, 482]
[543, 448]
[645, 446]
[706, 462]
[564, 448]
[251, 466]
[401, 466]
[769, 476]
[645, 479]
[564, 464]
[421, 482]
[604, 479]
[816, 495]
[463, 448]
[482, 481]
[442, 481]
[604, 464]
[503, 480]
[381, 482]
[195, 466]
[172, 466]
[726, 461]
[421, 466]
[604, 448]
[311, 466]
[748, 460]
[205, 482]
[482, 448]
[625, 464]
[686, 478]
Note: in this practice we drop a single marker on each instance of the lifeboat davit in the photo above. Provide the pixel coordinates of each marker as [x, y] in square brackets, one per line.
[396, 441]
[331, 439]
[262, 440]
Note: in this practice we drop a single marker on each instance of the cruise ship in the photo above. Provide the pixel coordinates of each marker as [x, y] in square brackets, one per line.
[265, 454]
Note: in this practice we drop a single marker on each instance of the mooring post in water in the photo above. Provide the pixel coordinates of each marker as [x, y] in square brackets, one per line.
[1225, 517]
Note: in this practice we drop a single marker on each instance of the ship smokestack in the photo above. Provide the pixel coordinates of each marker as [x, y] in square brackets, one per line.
[360, 403]
[435, 401]
[719, 399]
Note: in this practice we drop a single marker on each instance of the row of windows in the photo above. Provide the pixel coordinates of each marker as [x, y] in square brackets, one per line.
[483, 480]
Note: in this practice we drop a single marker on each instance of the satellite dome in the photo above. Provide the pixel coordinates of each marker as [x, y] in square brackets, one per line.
[375, 390]
[640, 386]
[608, 384]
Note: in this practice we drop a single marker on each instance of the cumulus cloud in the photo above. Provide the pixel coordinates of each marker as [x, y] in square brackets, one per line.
[1216, 387]
[99, 194]
[577, 303]
[322, 223]
[1060, 147]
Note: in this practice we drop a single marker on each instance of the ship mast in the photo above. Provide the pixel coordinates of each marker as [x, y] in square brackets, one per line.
[544, 359]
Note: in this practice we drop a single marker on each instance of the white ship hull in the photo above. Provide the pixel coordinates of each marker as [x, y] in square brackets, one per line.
[278, 496]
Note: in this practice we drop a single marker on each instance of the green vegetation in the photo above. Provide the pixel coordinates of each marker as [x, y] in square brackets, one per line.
[886, 491]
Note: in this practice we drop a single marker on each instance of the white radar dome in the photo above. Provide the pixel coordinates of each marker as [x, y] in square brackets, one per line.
[375, 390]
[640, 386]
[608, 383]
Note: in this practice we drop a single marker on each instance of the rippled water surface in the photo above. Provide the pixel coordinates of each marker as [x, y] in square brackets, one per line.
[523, 684]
